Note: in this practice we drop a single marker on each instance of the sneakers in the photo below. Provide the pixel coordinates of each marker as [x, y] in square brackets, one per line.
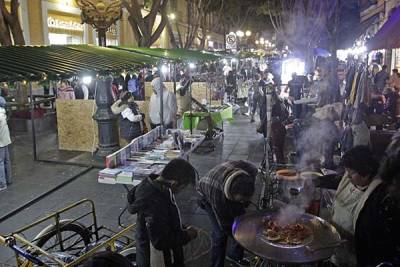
[241, 263]
[3, 187]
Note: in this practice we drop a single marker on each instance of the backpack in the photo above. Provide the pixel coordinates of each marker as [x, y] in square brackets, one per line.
[78, 92]
[132, 85]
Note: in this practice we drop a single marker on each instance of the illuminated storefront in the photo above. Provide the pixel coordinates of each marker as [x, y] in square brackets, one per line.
[46, 22]
[65, 29]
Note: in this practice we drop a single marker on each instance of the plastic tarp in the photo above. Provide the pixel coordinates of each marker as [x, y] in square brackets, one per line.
[217, 117]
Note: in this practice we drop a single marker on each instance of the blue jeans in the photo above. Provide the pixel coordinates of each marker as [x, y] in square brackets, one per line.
[219, 242]
[5, 166]
[142, 243]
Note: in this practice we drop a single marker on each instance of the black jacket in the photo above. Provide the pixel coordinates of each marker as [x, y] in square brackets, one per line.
[377, 234]
[130, 130]
[158, 222]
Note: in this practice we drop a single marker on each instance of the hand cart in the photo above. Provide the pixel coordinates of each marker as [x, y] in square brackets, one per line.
[67, 242]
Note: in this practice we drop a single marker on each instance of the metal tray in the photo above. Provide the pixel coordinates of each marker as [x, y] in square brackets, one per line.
[247, 231]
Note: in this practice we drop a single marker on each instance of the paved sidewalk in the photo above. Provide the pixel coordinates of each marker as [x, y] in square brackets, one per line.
[32, 178]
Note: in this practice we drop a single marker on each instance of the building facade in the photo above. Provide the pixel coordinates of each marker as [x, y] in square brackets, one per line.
[46, 22]
[379, 11]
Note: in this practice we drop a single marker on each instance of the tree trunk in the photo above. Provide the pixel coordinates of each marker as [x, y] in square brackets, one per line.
[334, 64]
[17, 33]
[204, 33]
[142, 27]
[5, 37]
[172, 39]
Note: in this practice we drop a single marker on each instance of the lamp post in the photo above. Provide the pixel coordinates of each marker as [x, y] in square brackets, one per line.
[101, 16]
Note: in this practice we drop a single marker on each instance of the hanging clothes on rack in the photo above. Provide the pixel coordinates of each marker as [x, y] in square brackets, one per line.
[363, 94]
[349, 80]
[354, 87]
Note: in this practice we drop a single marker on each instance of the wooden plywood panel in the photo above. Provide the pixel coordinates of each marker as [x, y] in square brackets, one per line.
[77, 131]
[199, 91]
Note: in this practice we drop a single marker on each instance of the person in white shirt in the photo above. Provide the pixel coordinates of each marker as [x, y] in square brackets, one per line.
[170, 106]
[85, 90]
[5, 141]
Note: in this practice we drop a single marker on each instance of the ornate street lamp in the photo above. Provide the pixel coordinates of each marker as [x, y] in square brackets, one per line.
[100, 15]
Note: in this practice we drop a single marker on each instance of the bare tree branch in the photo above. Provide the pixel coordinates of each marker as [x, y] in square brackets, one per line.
[142, 26]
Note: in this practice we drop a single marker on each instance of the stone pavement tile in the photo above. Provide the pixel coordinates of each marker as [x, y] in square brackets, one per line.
[240, 152]
[230, 141]
[237, 157]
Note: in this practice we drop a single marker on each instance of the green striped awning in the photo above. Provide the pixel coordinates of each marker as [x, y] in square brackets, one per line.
[55, 62]
[180, 55]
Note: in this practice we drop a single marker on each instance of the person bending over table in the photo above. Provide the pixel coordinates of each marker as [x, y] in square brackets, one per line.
[226, 191]
[161, 239]
[364, 213]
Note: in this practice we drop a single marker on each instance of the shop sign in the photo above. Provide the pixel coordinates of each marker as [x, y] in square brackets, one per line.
[231, 41]
[65, 25]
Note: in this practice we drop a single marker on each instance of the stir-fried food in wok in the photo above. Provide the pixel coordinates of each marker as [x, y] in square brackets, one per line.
[292, 234]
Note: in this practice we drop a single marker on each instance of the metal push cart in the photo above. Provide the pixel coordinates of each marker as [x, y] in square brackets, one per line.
[67, 242]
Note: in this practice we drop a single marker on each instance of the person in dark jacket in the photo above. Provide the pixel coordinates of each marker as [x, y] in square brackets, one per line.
[295, 87]
[226, 191]
[158, 217]
[279, 115]
[230, 85]
[130, 120]
[380, 79]
[377, 233]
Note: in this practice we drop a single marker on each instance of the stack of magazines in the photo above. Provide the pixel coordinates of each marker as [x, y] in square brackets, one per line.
[108, 175]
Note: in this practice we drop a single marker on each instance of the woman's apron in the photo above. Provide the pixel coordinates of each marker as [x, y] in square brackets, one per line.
[349, 201]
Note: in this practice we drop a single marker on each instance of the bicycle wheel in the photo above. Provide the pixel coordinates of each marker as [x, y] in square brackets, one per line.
[74, 237]
[130, 254]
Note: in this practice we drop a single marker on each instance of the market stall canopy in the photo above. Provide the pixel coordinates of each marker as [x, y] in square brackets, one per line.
[180, 55]
[388, 36]
[35, 63]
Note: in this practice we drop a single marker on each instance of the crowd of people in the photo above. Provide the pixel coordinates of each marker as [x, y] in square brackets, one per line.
[366, 206]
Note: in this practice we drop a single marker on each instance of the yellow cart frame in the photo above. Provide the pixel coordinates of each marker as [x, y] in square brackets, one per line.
[28, 254]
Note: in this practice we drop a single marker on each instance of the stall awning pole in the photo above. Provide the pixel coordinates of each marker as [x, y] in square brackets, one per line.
[32, 108]
[161, 103]
[174, 78]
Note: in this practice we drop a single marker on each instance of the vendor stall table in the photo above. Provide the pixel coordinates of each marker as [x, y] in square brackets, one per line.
[148, 154]
[218, 115]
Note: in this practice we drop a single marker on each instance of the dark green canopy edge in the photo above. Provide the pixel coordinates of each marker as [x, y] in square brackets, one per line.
[174, 55]
[55, 62]
[35, 63]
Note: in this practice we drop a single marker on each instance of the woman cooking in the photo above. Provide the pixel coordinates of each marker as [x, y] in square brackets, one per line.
[363, 212]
